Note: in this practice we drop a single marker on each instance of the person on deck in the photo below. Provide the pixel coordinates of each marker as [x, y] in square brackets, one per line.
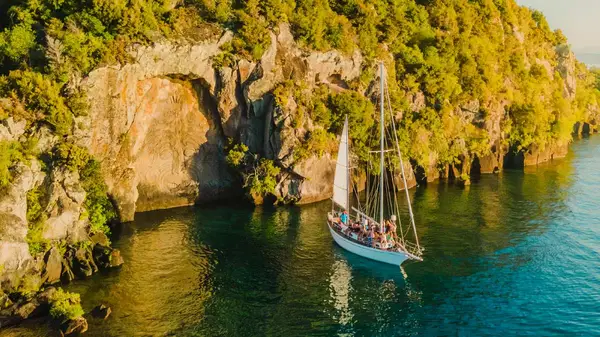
[344, 218]
[392, 227]
[370, 236]
[383, 241]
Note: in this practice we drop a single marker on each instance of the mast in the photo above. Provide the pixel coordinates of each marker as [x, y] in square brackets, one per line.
[381, 141]
[348, 186]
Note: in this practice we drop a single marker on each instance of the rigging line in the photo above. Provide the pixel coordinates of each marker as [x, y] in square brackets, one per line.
[396, 205]
[412, 219]
[355, 185]
[375, 192]
[381, 139]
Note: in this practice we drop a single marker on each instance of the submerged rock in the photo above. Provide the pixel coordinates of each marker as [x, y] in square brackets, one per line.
[107, 257]
[102, 311]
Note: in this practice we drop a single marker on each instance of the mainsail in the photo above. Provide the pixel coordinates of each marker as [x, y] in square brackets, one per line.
[341, 180]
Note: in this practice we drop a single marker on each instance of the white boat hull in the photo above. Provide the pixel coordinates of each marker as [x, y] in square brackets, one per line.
[395, 258]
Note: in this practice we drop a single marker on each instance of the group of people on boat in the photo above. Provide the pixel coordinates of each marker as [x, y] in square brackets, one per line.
[368, 232]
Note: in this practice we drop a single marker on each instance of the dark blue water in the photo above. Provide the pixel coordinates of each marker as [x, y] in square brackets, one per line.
[513, 254]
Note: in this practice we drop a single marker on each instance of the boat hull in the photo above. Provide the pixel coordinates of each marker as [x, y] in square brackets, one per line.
[395, 258]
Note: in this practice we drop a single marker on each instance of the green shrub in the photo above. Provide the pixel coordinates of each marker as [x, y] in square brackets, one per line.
[74, 157]
[97, 204]
[42, 95]
[29, 285]
[262, 179]
[237, 156]
[65, 306]
[35, 240]
[36, 221]
[10, 154]
[360, 112]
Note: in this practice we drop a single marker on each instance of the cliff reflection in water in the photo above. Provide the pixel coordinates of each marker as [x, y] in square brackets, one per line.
[513, 253]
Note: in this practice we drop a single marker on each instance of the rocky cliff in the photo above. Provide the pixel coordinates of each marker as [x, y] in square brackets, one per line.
[35, 252]
[160, 125]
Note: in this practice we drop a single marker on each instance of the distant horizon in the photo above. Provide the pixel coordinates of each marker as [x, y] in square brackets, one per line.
[576, 18]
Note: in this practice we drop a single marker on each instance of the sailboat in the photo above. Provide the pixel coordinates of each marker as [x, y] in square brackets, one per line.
[365, 230]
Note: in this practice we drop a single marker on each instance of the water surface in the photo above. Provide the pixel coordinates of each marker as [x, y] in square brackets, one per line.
[513, 254]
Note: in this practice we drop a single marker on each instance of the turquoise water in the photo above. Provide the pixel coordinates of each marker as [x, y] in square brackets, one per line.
[513, 254]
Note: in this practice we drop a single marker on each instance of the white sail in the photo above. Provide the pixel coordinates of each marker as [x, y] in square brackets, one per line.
[340, 182]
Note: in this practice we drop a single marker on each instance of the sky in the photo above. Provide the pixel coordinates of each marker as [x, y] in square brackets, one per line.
[578, 19]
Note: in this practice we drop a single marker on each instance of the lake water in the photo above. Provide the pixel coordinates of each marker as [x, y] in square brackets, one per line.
[513, 254]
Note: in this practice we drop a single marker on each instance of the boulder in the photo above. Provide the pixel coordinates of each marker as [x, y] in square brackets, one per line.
[26, 309]
[67, 266]
[116, 260]
[84, 262]
[78, 325]
[53, 266]
[46, 295]
[107, 257]
[100, 239]
[102, 311]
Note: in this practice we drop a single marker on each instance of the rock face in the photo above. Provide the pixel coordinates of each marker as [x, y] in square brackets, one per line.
[160, 125]
[14, 250]
[163, 147]
[64, 207]
[535, 156]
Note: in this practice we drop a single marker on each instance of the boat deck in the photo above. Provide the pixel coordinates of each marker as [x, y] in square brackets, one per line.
[362, 243]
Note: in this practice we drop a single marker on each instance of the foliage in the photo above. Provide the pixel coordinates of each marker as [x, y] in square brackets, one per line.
[41, 95]
[360, 112]
[16, 43]
[226, 58]
[262, 178]
[237, 156]
[65, 305]
[97, 204]
[71, 156]
[36, 220]
[10, 153]
[29, 284]
[259, 174]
